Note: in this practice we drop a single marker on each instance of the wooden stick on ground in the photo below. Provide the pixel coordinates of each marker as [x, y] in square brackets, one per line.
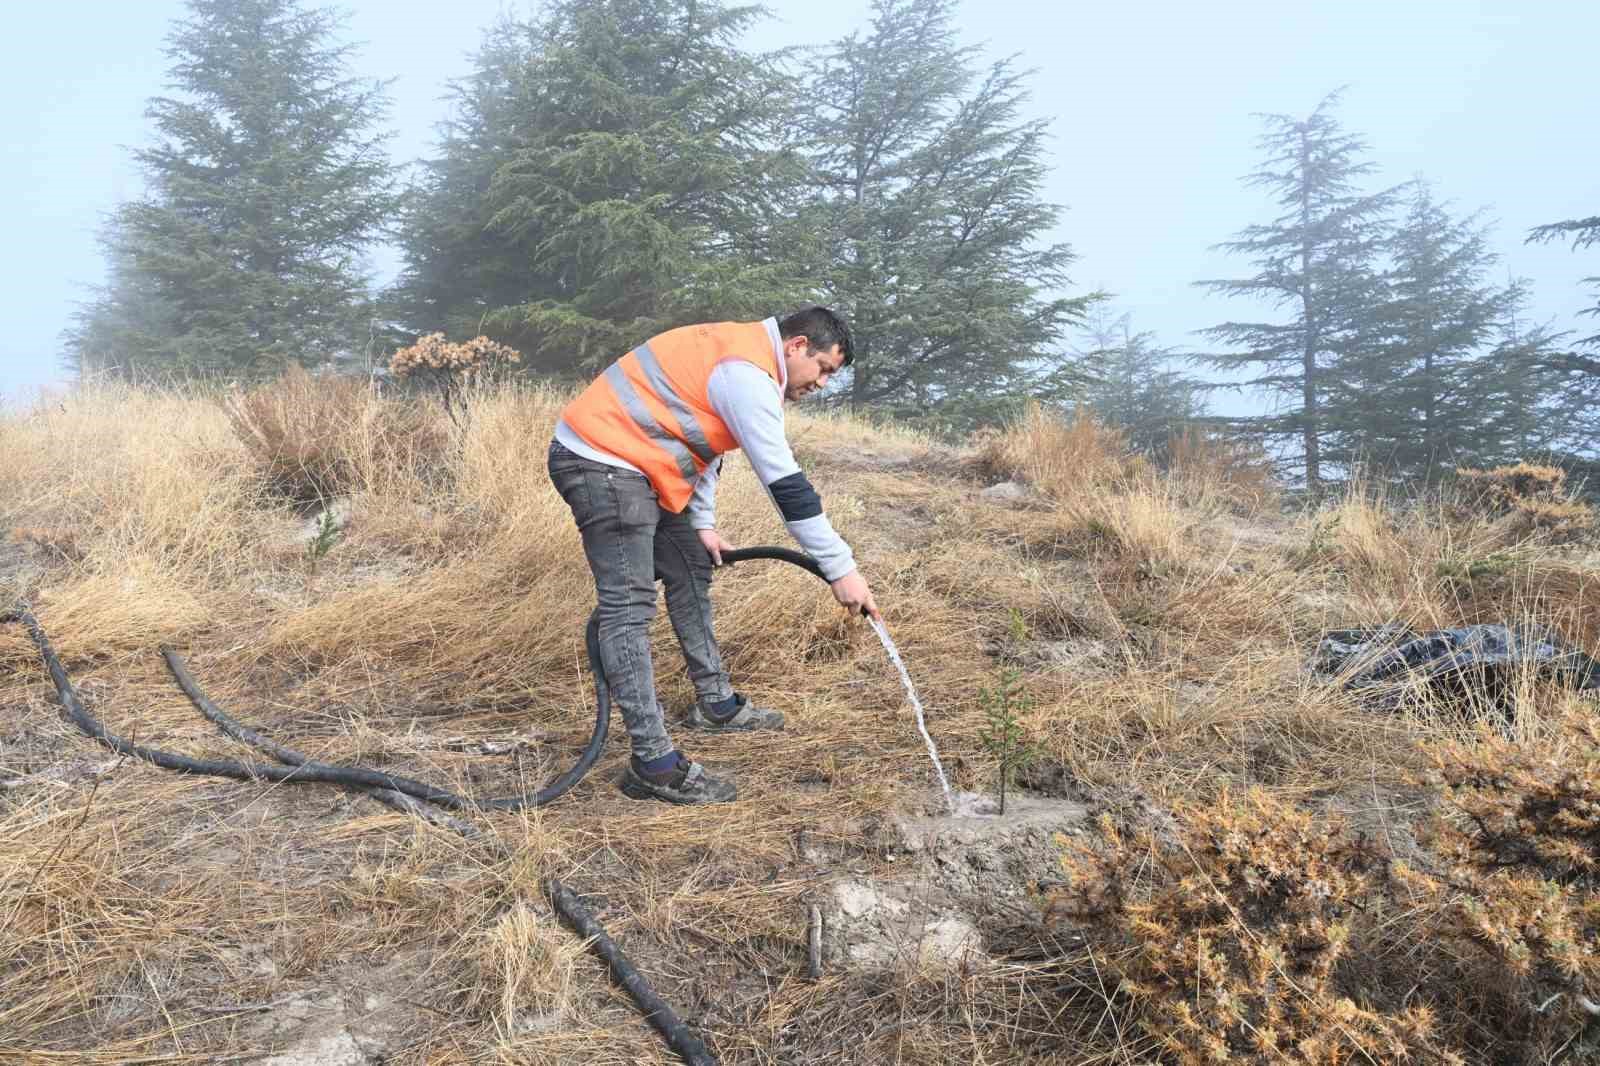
[814, 943]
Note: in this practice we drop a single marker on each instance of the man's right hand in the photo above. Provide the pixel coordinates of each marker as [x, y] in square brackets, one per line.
[851, 591]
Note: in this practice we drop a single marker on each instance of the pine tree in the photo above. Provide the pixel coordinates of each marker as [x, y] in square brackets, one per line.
[611, 172]
[926, 194]
[456, 270]
[265, 185]
[1318, 259]
[1134, 386]
[1439, 317]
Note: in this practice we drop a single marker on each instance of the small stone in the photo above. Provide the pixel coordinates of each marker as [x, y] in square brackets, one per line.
[1005, 491]
[947, 939]
[339, 1049]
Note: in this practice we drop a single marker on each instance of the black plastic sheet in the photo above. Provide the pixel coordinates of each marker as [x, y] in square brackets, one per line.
[1480, 662]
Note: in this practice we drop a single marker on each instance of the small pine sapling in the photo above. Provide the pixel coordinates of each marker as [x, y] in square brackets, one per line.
[1004, 737]
[322, 542]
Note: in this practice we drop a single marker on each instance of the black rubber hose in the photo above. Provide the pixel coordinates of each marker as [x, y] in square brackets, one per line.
[402, 792]
[400, 801]
[405, 785]
[88, 724]
[787, 555]
[301, 770]
[421, 790]
[656, 1010]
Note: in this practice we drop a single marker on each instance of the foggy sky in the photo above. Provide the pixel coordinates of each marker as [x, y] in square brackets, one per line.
[1152, 102]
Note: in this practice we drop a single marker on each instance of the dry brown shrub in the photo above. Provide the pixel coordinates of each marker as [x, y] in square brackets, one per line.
[1519, 840]
[1211, 466]
[1503, 486]
[456, 369]
[470, 360]
[293, 428]
[314, 438]
[1534, 499]
[1226, 938]
[1055, 455]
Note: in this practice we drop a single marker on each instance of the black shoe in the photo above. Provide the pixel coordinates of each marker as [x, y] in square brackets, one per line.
[687, 784]
[747, 718]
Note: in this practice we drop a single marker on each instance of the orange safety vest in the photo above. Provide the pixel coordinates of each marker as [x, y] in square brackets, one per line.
[651, 408]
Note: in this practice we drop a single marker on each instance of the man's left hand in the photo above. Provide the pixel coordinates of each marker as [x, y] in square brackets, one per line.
[714, 544]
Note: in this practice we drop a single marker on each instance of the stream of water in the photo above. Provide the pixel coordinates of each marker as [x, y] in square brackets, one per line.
[933, 752]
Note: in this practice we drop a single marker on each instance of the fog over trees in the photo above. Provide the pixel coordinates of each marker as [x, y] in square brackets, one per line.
[266, 182]
[611, 168]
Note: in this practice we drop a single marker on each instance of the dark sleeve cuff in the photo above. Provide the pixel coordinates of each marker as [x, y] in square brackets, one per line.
[795, 497]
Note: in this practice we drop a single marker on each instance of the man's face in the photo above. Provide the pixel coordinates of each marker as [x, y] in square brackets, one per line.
[809, 368]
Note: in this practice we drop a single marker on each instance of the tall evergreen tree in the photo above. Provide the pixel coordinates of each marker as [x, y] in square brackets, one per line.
[1319, 260]
[611, 172]
[1439, 317]
[1134, 386]
[927, 199]
[456, 269]
[266, 183]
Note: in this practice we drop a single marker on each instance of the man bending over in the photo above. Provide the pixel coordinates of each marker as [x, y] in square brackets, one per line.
[636, 456]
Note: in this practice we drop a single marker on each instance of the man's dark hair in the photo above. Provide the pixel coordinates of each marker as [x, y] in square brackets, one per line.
[822, 328]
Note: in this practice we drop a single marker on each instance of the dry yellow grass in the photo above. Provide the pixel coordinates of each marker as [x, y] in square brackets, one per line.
[1160, 623]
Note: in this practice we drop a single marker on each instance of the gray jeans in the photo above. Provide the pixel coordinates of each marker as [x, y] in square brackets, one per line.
[630, 541]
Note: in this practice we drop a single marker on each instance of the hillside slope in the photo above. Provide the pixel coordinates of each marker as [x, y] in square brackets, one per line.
[1158, 627]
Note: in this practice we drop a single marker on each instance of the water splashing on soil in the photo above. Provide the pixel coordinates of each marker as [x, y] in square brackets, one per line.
[933, 752]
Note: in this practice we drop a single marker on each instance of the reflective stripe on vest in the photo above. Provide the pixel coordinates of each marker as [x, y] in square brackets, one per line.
[680, 410]
[636, 409]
